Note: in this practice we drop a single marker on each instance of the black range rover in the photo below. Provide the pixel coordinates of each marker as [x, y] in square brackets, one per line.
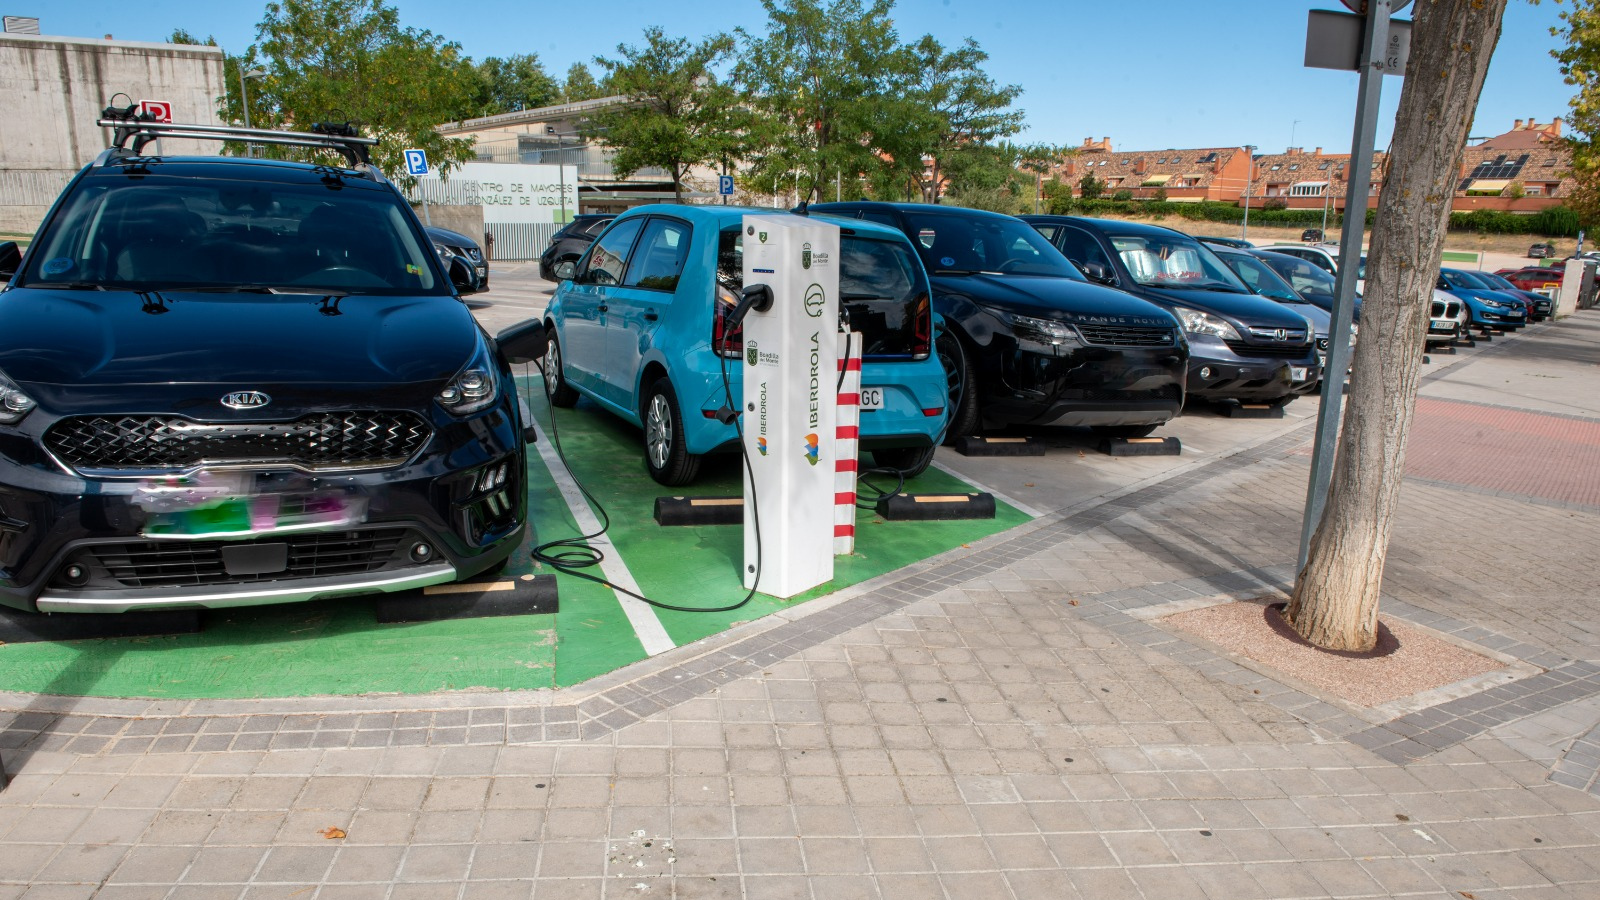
[1242, 347]
[227, 382]
[1041, 345]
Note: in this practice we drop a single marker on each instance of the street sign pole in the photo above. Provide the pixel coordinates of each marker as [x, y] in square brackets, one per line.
[417, 164]
[1373, 63]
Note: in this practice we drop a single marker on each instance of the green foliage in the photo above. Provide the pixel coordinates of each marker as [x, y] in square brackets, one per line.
[182, 36]
[513, 84]
[1159, 195]
[350, 60]
[1090, 187]
[1556, 221]
[959, 108]
[1058, 197]
[1123, 194]
[580, 85]
[1274, 203]
[1579, 62]
[680, 114]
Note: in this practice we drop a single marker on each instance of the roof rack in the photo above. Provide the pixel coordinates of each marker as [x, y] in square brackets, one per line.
[128, 124]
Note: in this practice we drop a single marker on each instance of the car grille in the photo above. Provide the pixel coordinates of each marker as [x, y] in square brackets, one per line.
[154, 564]
[320, 442]
[1285, 351]
[1279, 335]
[1126, 336]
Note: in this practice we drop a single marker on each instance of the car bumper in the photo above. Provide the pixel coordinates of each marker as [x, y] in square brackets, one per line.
[1025, 384]
[235, 537]
[1216, 372]
[1441, 331]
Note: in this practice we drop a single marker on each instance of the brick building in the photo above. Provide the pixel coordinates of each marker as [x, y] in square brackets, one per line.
[1302, 180]
[1187, 176]
[1523, 170]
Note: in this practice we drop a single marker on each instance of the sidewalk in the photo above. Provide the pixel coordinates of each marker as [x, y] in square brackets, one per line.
[1007, 721]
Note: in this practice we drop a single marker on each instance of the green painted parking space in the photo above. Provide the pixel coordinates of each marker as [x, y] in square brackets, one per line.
[338, 648]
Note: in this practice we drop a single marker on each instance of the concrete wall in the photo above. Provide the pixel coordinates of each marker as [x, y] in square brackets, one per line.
[54, 90]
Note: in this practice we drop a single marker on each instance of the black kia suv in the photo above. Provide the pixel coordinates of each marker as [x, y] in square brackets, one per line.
[1241, 346]
[1027, 340]
[228, 382]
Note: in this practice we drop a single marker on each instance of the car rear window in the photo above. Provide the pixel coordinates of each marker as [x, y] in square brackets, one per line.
[883, 292]
[155, 233]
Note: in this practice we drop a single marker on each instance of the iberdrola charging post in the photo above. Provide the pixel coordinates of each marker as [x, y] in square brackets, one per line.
[790, 379]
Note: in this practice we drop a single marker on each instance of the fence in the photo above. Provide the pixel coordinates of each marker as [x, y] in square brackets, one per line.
[519, 240]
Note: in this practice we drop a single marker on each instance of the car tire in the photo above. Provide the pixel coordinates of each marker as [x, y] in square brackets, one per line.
[909, 461]
[556, 389]
[1123, 431]
[666, 453]
[960, 387]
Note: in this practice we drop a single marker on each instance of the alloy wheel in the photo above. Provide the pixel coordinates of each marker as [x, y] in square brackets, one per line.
[658, 431]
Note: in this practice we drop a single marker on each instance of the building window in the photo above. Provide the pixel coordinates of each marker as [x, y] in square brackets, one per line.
[1533, 190]
[1294, 167]
[1162, 161]
[1276, 168]
[1323, 167]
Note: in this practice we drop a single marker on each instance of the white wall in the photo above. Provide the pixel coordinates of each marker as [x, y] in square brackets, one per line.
[54, 89]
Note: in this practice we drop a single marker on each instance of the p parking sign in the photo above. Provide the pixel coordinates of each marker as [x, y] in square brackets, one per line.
[416, 162]
[725, 185]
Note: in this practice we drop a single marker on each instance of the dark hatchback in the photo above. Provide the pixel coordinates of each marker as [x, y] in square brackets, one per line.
[463, 259]
[229, 382]
[1040, 344]
[560, 260]
[1241, 347]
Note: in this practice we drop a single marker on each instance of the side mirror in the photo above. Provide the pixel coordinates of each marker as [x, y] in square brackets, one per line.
[565, 270]
[10, 259]
[524, 342]
[463, 276]
[1099, 273]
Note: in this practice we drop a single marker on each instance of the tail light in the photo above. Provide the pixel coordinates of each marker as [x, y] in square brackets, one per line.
[921, 327]
[727, 343]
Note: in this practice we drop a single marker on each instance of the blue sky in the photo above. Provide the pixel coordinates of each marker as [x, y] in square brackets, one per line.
[1155, 74]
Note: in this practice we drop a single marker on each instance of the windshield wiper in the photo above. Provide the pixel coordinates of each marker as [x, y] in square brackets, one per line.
[955, 271]
[225, 289]
[67, 285]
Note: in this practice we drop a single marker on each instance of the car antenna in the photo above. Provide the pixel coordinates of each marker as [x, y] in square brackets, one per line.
[804, 209]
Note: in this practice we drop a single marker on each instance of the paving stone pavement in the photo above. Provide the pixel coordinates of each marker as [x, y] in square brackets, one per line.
[1008, 721]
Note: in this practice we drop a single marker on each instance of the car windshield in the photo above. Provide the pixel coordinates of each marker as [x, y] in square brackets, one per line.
[1459, 279]
[1498, 282]
[1308, 280]
[1174, 261]
[965, 245]
[1259, 277]
[169, 233]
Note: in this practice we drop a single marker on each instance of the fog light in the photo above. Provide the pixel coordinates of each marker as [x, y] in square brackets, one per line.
[421, 552]
[1205, 371]
[75, 575]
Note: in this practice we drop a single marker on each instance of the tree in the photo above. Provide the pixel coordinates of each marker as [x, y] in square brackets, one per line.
[827, 84]
[350, 60]
[514, 84]
[1335, 600]
[678, 115]
[580, 84]
[1090, 187]
[1580, 65]
[961, 103]
[182, 36]
[985, 176]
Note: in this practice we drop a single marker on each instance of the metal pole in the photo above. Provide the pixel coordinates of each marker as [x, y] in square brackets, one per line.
[244, 102]
[1355, 222]
[1249, 178]
[561, 174]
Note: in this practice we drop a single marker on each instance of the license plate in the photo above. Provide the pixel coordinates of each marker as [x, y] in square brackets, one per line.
[1299, 373]
[872, 398]
[1322, 361]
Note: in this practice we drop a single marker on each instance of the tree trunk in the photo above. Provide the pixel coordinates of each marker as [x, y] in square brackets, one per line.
[677, 183]
[1335, 601]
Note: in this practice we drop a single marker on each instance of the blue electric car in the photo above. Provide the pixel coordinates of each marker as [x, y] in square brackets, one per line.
[1486, 308]
[639, 329]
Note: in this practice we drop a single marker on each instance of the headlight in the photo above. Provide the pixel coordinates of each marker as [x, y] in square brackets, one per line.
[1196, 322]
[474, 388]
[14, 404]
[1042, 331]
[444, 251]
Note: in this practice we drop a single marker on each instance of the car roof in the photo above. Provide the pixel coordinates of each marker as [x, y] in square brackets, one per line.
[1108, 226]
[919, 208]
[278, 171]
[724, 216]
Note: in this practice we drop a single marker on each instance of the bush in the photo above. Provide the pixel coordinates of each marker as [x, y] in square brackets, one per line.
[1123, 195]
[1274, 203]
[1090, 187]
[1160, 196]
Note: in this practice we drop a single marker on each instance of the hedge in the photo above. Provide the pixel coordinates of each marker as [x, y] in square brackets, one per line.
[1556, 221]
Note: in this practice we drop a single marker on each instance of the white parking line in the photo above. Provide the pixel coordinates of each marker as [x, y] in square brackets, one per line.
[640, 615]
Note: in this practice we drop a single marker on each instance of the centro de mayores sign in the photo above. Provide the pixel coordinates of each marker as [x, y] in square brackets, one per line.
[511, 193]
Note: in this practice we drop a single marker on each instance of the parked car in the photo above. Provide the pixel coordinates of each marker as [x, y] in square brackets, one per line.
[1311, 236]
[1323, 256]
[1486, 308]
[1215, 241]
[1539, 279]
[568, 244]
[229, 381]
[459, 251]
[1241, 347]
[1036, 343]
[1309, 280]
[639, 326]
[1539, 305]
[1260, 278]
[1542, 250]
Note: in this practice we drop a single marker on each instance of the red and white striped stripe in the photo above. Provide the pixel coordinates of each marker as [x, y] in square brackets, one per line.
[846, 445]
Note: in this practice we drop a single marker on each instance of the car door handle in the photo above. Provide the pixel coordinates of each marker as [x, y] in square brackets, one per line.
[651, 316]
[602, 308]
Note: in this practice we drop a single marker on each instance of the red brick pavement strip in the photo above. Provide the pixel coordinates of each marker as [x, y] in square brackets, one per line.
[1508, 451]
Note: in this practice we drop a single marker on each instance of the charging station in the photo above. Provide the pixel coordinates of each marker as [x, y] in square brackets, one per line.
[790, 378]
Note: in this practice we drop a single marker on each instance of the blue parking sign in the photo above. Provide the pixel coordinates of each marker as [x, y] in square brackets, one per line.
[416, 162]
[725, 184]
